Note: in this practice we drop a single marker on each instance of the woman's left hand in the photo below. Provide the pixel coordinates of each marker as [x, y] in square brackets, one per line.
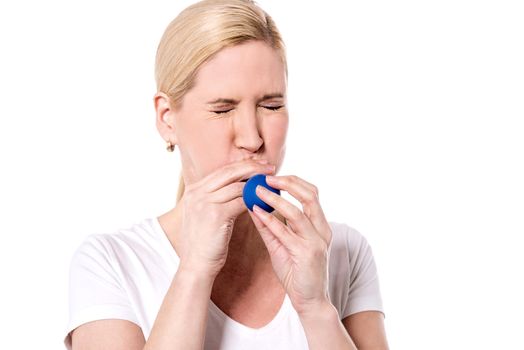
[299, 251]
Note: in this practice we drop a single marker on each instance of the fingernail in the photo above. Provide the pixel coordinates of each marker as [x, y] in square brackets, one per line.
[261, 189]
[270, 168]
[271, 178]
[258, 210]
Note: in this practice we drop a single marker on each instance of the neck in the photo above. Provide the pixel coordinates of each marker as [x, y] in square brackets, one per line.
[246, 247]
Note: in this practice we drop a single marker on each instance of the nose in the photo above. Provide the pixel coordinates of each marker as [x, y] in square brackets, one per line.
[247, 130]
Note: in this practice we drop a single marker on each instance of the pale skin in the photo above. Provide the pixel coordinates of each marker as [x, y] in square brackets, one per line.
[285, 252]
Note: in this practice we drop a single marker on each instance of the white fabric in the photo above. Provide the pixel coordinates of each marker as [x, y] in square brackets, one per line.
[126, 274]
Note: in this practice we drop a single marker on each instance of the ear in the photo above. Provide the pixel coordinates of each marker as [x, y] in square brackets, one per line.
[165, 117]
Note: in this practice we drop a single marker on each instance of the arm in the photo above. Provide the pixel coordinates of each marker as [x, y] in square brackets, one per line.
[362, 331]
[108, 334]
[367, 330]
[307, 236]
[324, 330]
[182, 317]
[96, 297]
[180, 323]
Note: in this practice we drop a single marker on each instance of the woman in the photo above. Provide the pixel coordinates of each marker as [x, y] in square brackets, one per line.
[210, 273]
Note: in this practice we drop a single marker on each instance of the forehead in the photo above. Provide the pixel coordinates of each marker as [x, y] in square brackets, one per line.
[250, 67]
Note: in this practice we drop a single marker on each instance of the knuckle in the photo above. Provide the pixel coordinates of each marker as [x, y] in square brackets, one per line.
[295, 214]
[310, 197]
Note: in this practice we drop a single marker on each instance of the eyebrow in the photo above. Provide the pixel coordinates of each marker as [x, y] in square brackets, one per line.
[231, 101]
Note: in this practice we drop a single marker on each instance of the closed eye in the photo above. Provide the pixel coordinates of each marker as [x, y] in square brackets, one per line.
[272, 108]
[222, 112]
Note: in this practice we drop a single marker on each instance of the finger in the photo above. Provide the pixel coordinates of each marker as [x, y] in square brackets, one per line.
[270, 240]
[298, 222]
[307, 194]
[235, 207]
[232, 172]
[270, 223]
[227, 193]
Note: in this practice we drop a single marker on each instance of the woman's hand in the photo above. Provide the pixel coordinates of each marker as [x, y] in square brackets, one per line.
[298, 251]
[209, 210]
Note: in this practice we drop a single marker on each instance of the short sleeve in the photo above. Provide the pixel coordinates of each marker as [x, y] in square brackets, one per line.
[95, 290]
[364, 289]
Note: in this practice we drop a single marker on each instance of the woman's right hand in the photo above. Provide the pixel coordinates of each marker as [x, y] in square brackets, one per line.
[209, 210]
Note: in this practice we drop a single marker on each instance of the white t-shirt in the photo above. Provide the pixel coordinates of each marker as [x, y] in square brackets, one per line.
[126, 274]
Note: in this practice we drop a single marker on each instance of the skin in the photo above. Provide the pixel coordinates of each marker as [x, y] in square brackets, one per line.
[249, 128]
[286, 252]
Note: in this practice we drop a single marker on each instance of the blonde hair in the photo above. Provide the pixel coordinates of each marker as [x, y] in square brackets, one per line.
[198, 33]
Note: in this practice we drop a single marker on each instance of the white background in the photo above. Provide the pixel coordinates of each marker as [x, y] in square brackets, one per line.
[408, 116]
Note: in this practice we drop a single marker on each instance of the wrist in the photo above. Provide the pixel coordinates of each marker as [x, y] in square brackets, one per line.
[321, 310]
[189, 275]
[324, 329]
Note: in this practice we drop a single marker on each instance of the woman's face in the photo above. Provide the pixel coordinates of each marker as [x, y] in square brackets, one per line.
[236, 110]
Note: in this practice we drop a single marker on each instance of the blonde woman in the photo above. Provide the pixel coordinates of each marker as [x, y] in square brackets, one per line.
[210, 273]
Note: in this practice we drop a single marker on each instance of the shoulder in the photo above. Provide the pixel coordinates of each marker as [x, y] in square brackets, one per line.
[97, 283]
[348, 252]
[348, 239]
[352, 246]
[107, 260]
[113, 245]
[353, 273]
[93, 262]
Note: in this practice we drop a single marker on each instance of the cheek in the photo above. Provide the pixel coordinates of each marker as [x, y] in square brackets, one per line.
[200, 136]
[205, 147]
[211, 144]
[275, 131]
[275, 140]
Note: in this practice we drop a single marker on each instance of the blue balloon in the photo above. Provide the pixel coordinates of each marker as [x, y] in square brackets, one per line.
[250, 196]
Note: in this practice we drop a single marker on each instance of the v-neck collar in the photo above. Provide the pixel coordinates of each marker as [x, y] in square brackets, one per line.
[228, 321]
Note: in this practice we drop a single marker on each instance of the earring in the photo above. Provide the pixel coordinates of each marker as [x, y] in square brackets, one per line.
[170, 147]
